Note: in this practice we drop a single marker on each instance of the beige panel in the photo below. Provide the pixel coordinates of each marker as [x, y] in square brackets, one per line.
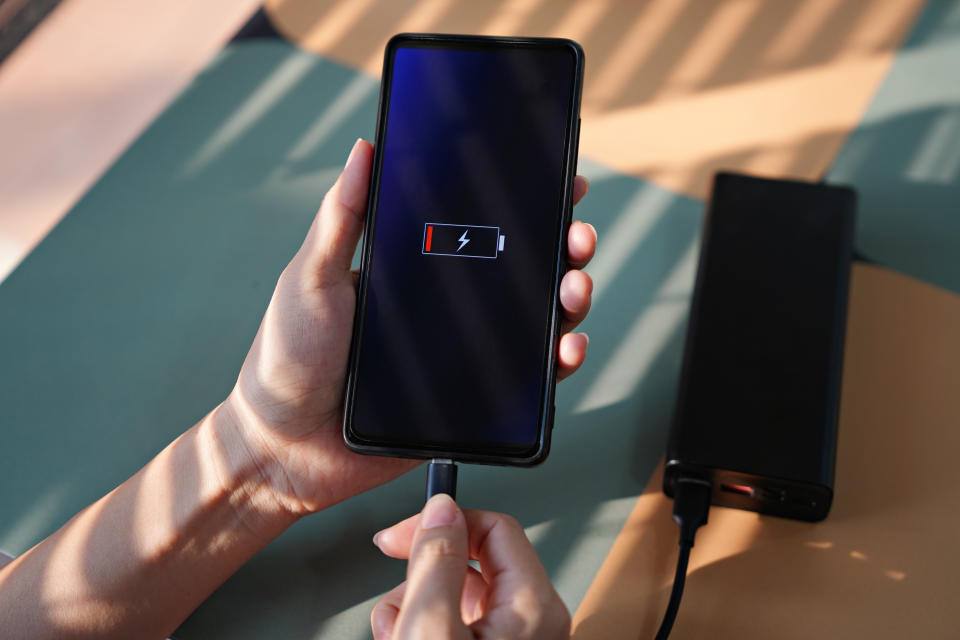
[81, 88]
[884, 564]
[675, 89]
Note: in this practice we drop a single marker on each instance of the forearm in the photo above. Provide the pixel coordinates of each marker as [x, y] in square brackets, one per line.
[139, 560]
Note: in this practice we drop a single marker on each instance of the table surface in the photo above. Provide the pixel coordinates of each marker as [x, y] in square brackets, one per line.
[157, 173]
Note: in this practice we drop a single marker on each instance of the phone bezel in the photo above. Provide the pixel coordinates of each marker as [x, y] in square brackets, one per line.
[498, 453]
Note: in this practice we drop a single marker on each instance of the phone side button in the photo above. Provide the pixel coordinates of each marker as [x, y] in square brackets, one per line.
[576, 150]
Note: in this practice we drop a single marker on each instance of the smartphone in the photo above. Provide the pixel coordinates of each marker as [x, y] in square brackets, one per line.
[457, 319]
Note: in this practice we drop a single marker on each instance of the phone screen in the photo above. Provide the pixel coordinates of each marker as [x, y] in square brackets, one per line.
[456, 324]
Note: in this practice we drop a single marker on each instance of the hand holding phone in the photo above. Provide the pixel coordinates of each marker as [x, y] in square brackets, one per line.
[289, 396]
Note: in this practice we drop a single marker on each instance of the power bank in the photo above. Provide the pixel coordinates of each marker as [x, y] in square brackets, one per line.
[759, 392]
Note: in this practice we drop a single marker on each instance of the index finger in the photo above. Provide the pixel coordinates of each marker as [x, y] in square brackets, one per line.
[496, 540]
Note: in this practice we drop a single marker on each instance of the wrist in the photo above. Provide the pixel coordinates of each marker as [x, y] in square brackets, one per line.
[248, 475]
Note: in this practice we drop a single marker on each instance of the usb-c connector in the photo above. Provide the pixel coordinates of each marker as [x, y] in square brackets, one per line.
[442, 477]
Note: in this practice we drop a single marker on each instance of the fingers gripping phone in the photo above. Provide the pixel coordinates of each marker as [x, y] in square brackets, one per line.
[457, 323]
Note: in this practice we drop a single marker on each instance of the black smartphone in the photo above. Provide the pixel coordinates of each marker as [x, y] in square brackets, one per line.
[457, 321]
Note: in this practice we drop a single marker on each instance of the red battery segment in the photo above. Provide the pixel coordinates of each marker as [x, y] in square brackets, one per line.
[462, 240]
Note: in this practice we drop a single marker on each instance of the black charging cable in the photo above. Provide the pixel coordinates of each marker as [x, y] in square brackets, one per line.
[691, 503]
[442, 477]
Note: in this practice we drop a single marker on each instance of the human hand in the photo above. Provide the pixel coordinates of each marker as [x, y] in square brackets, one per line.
[445, 598]
[288, 401]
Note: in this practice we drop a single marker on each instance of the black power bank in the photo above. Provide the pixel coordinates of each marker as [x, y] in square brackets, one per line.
[759, 392]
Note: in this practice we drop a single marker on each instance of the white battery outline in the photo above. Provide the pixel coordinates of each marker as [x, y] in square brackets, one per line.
[423, 242]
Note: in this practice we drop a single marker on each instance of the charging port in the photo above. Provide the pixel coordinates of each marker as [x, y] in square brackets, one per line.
[741, 489]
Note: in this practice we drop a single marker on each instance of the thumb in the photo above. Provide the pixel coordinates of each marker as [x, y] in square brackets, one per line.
[435, 574]
[336, 229]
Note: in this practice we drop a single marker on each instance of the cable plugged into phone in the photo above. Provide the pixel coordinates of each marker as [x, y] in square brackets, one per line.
[691, 504]
[442, 477]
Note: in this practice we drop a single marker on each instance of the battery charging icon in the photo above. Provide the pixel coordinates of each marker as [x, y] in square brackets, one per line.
[462, 240]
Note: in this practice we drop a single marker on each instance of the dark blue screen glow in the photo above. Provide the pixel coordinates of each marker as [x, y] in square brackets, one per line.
[460, 284]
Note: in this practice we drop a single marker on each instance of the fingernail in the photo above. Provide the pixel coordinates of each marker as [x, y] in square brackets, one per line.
[593, 228]
[382, 621]
[440, 511]
[586, 337]
[353, 150]
[376, 539]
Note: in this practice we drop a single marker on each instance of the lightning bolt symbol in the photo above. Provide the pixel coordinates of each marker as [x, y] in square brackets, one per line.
[463, 240]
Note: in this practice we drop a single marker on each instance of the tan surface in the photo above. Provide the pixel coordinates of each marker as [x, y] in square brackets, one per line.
[884, 563]
[81, 88]
[675, 89]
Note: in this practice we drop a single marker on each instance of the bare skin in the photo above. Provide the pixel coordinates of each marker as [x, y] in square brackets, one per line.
[511, 595]
[139, 560]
